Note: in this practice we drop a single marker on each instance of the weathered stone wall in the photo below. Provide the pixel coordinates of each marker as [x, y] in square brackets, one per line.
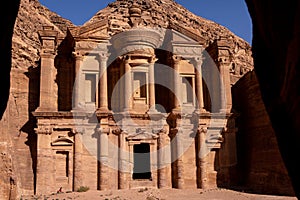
[261, 168]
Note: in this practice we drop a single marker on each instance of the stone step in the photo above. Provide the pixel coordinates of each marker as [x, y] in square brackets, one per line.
[142, 184]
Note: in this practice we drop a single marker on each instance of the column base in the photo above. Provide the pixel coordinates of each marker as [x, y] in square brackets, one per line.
[224, 110]
[103, 112]
[200, 110]
[152, 110]
[176, 110]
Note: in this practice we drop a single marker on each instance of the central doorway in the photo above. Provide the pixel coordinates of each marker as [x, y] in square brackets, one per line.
[141, 158]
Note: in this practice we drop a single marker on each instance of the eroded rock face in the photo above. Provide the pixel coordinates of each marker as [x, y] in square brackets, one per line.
[276, 52]
[17, 139]
[260, 165]
[8, 15]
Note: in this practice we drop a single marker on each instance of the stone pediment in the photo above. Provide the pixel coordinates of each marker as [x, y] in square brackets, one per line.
[186, 34]
[184, 45]
[142, 135]
[97, 30]
[179, 37]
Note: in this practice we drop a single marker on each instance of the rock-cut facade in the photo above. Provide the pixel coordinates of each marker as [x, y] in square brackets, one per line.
[138, 96]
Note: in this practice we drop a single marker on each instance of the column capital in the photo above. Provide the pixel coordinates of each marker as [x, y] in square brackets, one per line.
[77, 55]
[159, 130]
[116, 131]
[197, 60]
[77, 130]
[202, 129]
[125, 57]
[173, 132]
[176, 59]
[103, 55]
[224, 61]
[152, 59]
[104, 130]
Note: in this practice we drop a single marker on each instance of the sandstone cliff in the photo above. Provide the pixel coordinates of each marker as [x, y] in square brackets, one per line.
[17, 139]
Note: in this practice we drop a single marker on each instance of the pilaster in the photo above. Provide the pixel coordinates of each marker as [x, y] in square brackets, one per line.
[76, 89]
[164, 160]
[123, 172]
[45, 173]
[103, 158]
[202, 158]
[176, 158]
[48, 85]
[226, 99]
[78, 162]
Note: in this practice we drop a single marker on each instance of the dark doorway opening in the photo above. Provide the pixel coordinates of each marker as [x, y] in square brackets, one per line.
[141, 169]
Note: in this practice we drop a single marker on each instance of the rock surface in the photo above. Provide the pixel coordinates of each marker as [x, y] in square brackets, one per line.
[17, 137]
[276, 52]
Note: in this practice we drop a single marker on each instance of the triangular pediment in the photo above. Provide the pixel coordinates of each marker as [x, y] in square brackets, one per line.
[182, 34]
[97, 29]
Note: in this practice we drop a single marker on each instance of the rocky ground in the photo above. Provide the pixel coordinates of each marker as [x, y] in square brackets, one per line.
[162, 194]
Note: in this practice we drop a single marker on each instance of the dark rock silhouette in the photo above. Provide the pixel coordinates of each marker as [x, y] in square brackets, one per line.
[8, 18]
[276, 52]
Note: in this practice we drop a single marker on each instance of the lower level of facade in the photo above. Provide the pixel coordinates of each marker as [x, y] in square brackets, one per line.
[124, 150]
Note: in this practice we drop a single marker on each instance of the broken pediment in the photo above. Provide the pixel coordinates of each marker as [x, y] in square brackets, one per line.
[182, 34]
[97, 30]
[184, 45]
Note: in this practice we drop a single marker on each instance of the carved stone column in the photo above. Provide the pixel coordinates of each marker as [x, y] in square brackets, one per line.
[76, 93]
[127, 85]
[45, 173]
[78, 150]
[176, 76]
[202, 159]
[199, 84]
[226, 100]
[123, 162]
[103, 99]
[180, 169]
[103, 159]
[164, 160]
[152, 84]
[177, 163]
[48, 85]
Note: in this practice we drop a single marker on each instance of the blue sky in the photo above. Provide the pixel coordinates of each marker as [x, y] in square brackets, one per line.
[232, 14]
